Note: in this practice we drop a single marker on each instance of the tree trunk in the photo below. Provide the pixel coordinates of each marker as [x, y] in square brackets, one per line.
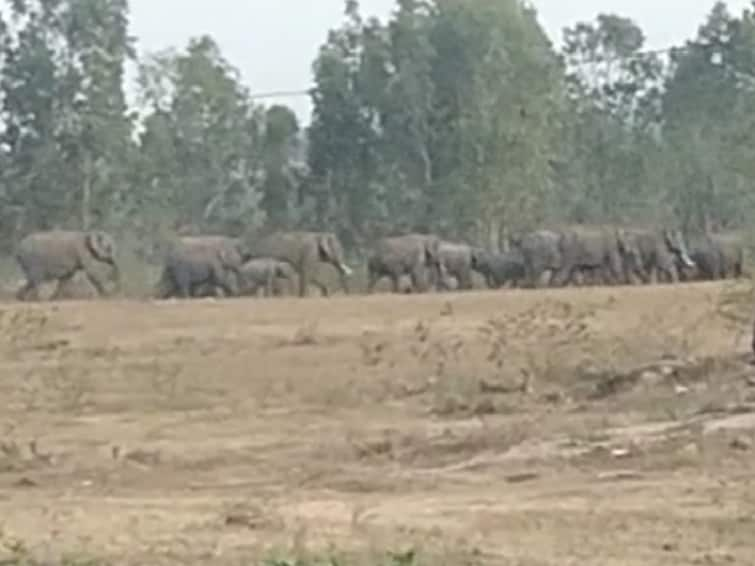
[86, 193]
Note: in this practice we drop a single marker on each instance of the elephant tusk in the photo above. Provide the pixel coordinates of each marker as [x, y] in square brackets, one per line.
[346, 269]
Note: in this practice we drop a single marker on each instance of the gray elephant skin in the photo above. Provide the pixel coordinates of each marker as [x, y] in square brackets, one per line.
[303, 251]
[201, 265]
[458, 260]
[541, 255]
[662, 252]
[57, 255]
[264, 273]
[604, 254]
[504, 269]
[716, 256]
[414, 255]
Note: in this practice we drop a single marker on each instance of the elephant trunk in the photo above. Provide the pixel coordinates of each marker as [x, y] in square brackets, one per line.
[686, 260]
[344, 269]
[116, 277]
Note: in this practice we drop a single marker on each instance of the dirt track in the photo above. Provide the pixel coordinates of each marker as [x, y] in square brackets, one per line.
[594, 427]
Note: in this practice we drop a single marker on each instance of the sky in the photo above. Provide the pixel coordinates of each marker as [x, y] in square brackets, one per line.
[274, 42]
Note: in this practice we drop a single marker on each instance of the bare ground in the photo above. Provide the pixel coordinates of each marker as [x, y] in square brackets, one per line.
[583, 426]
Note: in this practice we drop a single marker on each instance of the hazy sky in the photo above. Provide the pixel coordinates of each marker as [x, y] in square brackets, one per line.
[273, 42]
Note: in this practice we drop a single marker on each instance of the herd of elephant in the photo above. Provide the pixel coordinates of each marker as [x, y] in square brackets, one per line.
[195, 266]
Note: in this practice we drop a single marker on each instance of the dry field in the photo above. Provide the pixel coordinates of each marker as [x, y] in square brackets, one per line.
[599, 427]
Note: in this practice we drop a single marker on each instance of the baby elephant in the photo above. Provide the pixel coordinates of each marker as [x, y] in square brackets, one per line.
[264, 272]
[500, 269]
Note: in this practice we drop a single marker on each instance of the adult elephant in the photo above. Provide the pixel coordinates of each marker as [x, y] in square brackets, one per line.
[662, 253]
[500, 269]
[202, 265]
[541, 255]
[603, 253]
[458, 261]
[716, 256]
[264, 273]
[415, 255]
[57, 255]
[303, 251]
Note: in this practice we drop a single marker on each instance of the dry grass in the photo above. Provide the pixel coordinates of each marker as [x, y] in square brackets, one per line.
[476, 428]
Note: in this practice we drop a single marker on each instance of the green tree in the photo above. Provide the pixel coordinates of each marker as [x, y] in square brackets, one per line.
[343, 141]
[67, 127]
[445, 118]
[200, 157]
[503, 94]
[283, 176]
[614, 90]
[708, 107]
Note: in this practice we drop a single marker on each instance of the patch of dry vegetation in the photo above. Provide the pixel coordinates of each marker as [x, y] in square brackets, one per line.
[459, 428]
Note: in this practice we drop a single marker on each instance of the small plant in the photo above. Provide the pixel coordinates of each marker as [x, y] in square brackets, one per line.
[306, 335]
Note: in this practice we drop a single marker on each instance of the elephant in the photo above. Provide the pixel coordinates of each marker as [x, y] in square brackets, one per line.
[661, 253]
[263, 272]
[416, 255]
[716, 256]
[602, 253]
[458, 261]
[303, 251]
[202, 265]
[500, 269]
[541, 255]
[732, 249]
[59, 254]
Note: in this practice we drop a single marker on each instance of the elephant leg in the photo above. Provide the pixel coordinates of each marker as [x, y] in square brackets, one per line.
[99, 287]
[465, 280]
[395, 279]
[673, 274]
[664, 276]
[738, 270]
[182, 287]
[303, 282]
[563, 276]
[372, 279]
[418, 280]
[324, 291]
[226, 286]
[64, 281]
[547, 278]
[530, 275]
[165, 287]
[29, 291]
[344, 283]
[269, 280]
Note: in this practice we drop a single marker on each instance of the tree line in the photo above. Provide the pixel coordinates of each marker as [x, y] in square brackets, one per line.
[456, 117]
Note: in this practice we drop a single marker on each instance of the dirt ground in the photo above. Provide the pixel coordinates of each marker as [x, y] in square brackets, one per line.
[597, 427]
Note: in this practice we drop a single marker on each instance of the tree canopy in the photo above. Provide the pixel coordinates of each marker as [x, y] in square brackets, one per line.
[459, 117]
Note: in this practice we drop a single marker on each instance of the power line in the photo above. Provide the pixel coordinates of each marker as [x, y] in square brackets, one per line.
[280, 94]
[578, 63]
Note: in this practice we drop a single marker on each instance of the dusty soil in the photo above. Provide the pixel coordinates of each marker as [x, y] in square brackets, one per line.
[580, 426]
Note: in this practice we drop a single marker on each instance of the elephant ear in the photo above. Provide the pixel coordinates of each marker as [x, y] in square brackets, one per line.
[243, 249]
[670, 239]
[432, 250]
[325, 246]
[477, 257]
[230, 258]
[621, 240]
[101, 245]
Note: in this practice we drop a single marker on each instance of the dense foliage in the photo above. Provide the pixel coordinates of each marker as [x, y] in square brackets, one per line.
[453, 116]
